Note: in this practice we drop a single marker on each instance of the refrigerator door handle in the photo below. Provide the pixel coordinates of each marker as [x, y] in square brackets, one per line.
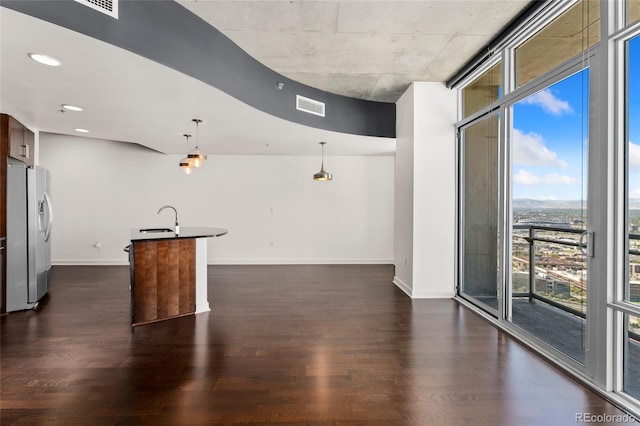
[47, 233]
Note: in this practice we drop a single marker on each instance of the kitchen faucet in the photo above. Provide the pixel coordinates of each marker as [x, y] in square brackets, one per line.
[177, 227]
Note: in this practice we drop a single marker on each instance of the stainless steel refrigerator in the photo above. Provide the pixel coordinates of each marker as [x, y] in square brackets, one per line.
[28, 244]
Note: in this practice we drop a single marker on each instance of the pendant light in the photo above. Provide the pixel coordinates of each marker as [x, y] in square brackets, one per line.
[195, 156]
[322, 175]
[185, 163]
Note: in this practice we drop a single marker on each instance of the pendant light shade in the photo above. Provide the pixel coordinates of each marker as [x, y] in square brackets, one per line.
[195, 156]
[322, 175]
[185, 166]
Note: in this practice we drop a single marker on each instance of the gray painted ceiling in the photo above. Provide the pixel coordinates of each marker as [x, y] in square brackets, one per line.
[365, 49]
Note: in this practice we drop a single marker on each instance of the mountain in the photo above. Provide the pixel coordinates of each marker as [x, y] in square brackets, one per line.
[530, 203]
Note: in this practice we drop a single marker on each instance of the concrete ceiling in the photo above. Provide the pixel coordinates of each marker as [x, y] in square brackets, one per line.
[366, 49]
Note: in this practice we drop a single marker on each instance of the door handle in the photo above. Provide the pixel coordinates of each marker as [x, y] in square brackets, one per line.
[47, 233]
[586, 248]
[587, 251]
[25, 151]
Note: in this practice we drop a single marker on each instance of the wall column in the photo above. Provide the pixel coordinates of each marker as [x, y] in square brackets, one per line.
[425, 191]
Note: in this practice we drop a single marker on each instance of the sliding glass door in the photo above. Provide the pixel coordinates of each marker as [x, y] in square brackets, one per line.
[479, 208]
[550, 242]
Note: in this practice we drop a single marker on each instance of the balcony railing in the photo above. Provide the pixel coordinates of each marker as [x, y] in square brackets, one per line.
[552, 254]
[554, 258]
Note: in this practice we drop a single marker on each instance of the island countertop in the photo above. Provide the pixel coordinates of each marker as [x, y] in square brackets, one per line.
[185, 232]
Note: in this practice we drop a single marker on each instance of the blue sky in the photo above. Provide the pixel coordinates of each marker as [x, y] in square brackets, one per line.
[634, 118]
[550, 134]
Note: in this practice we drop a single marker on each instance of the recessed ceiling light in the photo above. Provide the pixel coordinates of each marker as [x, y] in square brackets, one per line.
[71, 107]
[45, 59]
[81, 130]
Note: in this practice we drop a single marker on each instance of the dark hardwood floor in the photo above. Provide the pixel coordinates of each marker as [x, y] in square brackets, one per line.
[288, 345]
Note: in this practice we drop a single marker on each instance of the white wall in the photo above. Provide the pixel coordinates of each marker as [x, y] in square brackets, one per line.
[274, 211]
[403, 193]
[425, 226]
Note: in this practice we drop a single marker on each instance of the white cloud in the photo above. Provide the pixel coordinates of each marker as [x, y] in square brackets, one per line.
[529, 150]
[556, 179]
[525, 177]
[549, 103]
[634, 155]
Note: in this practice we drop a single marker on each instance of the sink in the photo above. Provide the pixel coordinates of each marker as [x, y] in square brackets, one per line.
[155, 230]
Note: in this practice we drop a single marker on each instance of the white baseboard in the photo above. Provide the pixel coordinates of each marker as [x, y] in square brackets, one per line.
[90, 262]
[223, 261]
[202, 307]
[433, 295]
[231, 261]
[422, 294]
[402, 286]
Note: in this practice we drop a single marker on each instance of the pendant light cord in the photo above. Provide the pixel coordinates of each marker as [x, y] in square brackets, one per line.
[187, 137]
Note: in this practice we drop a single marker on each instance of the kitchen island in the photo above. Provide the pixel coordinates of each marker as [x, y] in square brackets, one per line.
[169, 272]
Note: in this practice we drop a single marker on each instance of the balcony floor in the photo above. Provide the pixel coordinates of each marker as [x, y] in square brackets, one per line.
[560, 329]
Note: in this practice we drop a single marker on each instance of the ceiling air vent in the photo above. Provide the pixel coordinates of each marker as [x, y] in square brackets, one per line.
[309, 105]
[108, 7]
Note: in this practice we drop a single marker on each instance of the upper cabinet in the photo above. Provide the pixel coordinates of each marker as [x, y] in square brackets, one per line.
[18, 139]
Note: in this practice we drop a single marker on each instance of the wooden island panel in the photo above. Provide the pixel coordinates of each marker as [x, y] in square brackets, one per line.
[164, 279]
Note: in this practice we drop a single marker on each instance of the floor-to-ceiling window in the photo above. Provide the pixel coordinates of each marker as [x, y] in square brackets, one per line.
[559, 214]
[630, 296]
[535, 188]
